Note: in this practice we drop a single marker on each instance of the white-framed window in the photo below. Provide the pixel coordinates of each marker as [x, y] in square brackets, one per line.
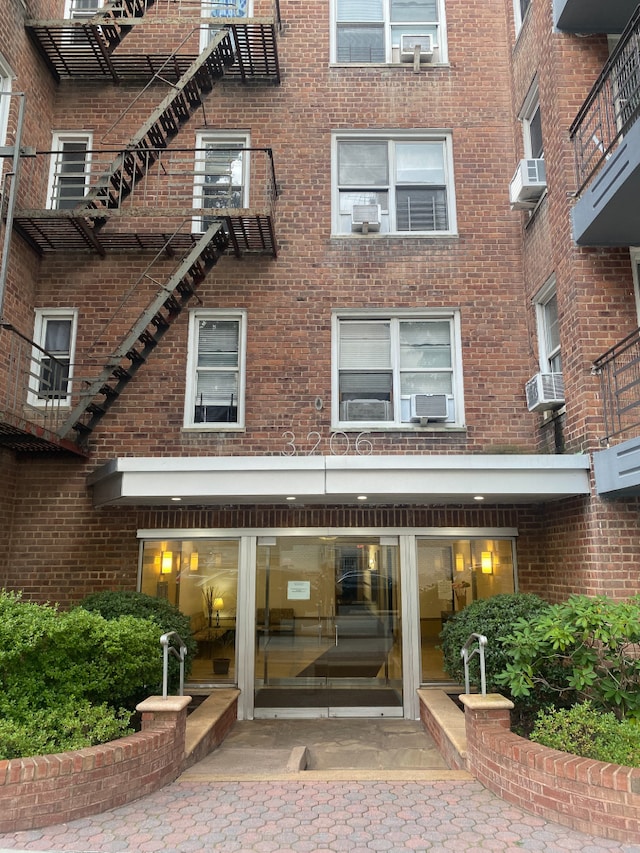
[371, 31]
[634, 253]
[398, 369]
[6, 77]
[81, 10]
[52, 358]
[221, 174]
[405, 179]
[218, 10]
[546, 304]
[215, 385]
[70, 169]
[531, 119]
[520, 9]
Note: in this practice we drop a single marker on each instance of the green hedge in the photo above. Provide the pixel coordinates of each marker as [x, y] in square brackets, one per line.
[70, 677]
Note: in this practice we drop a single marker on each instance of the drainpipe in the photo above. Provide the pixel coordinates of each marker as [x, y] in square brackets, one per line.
[13, 175]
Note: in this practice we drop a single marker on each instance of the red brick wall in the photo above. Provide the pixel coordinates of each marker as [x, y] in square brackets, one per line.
[590, 796]
[47, 789]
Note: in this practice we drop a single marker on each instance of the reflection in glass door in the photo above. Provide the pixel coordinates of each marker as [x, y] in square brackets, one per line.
[328, 633]
[451, 574]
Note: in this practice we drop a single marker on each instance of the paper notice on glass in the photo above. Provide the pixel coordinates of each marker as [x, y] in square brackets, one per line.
[299, 590]
[445, 590]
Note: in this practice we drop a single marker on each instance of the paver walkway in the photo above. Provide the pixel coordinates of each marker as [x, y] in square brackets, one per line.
[301, 816]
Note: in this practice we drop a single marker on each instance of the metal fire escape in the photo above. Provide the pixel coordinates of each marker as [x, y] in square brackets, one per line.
[107, 219]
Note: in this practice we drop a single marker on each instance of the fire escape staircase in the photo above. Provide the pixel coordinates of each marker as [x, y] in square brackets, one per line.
[46, 229]
[132, 353]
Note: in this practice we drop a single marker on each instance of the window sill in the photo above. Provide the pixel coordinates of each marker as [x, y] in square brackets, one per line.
[395, 235]
[411, 428]
[408, 65]
[217, 428]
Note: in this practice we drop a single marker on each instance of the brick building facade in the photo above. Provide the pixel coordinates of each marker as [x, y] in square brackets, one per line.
[325, 403]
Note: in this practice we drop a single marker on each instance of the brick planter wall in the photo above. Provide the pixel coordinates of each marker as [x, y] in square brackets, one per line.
[47, 789]
[591, 796]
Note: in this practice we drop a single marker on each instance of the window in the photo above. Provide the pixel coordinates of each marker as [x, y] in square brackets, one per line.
[221, 9]
[5, 97]
[407, 178]
[80, 10]
[54, 336]
[69, 172]
[388, 368]
[532, 124]
[548, 329]
[220, 174]
[216, 368]
[370, 30]
[520, 9]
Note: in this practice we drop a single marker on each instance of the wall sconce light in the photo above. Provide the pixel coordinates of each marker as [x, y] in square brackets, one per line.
[166, 562]
[193, 561]
[218, 604]
[486, 562]
[459, 562]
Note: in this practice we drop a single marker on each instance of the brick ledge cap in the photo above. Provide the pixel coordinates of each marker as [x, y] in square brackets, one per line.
[163, 703]
[490, 702]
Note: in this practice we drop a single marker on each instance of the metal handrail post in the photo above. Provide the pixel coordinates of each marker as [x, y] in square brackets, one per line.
[466, 657]
[179, 654]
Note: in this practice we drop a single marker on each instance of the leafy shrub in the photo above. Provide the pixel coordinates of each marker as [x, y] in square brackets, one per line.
[113, 604]
[494, 618]
[63, 675]
[588, 732]
[587, 648]
[70, 726]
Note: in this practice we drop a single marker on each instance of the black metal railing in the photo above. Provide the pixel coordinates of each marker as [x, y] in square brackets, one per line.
[619, 372]
[612, 106]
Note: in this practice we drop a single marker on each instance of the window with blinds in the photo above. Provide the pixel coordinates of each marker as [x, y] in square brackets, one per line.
[407, 178]
[369, 31]
[215, 370]
[69, 172]
[50, 374]
[383, 363]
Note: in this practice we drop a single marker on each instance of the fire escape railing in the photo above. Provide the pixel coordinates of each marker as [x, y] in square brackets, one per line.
[611, 107]
[37, 392]
[619, 372]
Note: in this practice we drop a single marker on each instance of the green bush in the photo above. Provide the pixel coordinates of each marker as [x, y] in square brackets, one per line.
[588, 732]
[55, 665]
[111, 605]
[585, 649]
[494, 618]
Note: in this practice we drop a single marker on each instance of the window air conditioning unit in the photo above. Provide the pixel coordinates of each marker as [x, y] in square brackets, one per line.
[365, 217]
[527, 184]
[545, 391]
[365, 410]
[428, 407]
[408, 44]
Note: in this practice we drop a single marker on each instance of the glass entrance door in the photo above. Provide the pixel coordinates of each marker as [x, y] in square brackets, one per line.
[328, 629]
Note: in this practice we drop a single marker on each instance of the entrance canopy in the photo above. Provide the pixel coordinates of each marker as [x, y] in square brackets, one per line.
[317, 480]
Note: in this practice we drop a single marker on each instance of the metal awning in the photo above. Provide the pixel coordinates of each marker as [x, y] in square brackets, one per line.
[354, 480]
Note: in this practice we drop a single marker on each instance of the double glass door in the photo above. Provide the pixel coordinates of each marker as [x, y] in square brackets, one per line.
[328, 627]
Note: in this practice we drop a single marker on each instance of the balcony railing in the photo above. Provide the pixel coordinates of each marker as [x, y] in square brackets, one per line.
[37, 388]
[612, 107]
[619, 372]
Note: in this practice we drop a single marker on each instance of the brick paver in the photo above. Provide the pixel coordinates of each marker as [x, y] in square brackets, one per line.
[303, 816]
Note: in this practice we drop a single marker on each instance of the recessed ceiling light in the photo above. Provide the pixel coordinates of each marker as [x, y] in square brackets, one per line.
[291, 498]
[478, 498]
[176, 499]
[362, 497]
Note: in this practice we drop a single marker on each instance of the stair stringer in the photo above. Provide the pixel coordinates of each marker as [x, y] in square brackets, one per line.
[123, 364]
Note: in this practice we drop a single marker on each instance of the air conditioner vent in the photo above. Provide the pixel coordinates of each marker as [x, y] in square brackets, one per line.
[365, 410]
[527, 184]
[545, 391]
[366, 217]
[432, 407]
[409, 43]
